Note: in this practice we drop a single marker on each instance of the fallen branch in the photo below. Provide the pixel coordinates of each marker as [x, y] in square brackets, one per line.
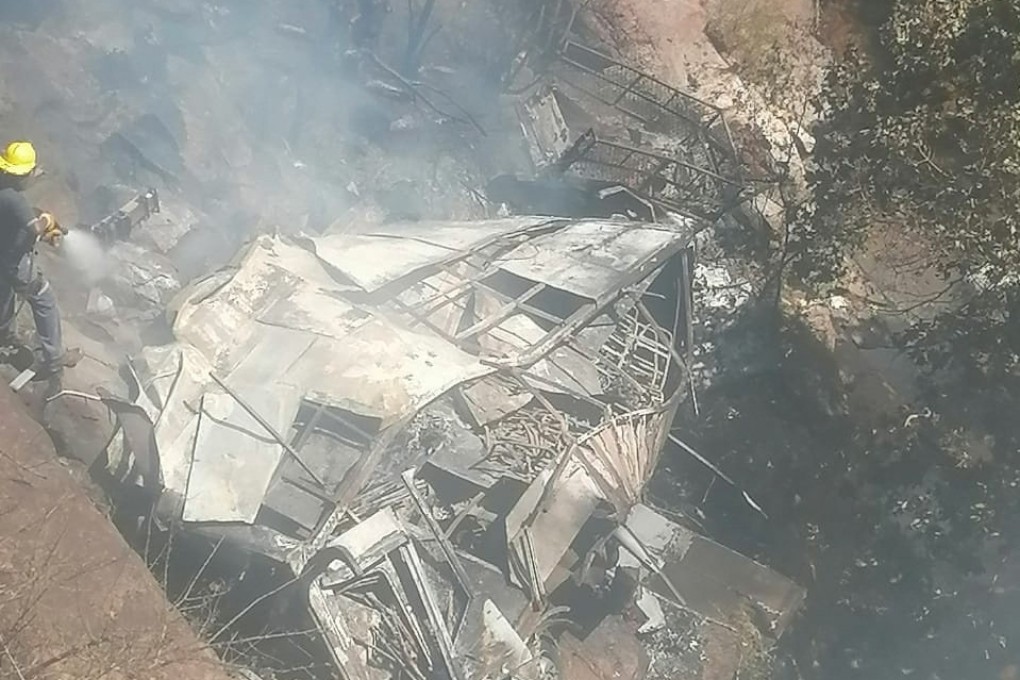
[414, 89]
[198, 574]
[254, 603]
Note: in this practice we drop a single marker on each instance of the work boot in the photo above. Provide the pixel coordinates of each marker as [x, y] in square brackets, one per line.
[49, 372]
[12, 352]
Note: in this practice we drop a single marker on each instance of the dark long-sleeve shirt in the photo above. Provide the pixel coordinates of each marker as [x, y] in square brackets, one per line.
[17, 233]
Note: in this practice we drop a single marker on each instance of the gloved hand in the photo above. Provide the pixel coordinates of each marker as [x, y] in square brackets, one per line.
[49, 229]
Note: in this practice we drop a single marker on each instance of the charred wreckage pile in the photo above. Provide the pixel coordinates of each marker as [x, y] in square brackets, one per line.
[443, 429]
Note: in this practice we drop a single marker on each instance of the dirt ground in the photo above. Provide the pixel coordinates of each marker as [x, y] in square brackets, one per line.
[75, 600]
[671, 38]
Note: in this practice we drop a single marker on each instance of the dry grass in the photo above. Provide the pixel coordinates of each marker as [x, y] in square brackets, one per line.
[756, 657]
[53, 627]
[75, 600]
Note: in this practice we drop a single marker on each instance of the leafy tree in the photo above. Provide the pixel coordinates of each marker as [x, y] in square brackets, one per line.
[924, 132]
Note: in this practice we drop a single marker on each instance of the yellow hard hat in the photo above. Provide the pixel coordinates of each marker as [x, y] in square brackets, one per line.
[18, 159]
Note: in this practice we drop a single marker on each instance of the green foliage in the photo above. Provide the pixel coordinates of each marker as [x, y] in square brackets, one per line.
[924, 134]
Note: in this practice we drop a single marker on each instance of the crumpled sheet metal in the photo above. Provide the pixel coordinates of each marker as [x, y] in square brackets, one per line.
[277, 327]
[221, 322]
[545, 129]
[711, 580]
[621, 455]
[176, 375]
[283, 321]
[612, 463]
[383, 370]
[563, 370]
[591, 259]
[483, 643]
[234, 457]
[553, 516]
[393, 251]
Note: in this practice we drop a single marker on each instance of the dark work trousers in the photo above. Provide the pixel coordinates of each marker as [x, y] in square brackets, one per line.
[26, 282]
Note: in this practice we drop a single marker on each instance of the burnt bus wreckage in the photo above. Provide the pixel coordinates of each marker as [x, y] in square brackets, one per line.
[443, 430]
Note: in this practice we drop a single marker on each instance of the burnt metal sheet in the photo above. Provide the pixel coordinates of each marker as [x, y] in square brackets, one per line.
[371, 540]
[382, 370]
[295, 496]
[461, 449]
[712, 580]
[566, 368]
[139, 439]
[427, 595]
[591, 259]
[278, 331]
[545, 129]
[220, 323]
[176, 375]
[314, 310]
[491, 398]
[562, 370]
[234, 456]
[567, 506]
[391, 252]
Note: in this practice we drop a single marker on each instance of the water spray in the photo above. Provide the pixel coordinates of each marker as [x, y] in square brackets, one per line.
[85, 252]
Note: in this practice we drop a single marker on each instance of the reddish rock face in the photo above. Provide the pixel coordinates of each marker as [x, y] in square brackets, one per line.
[78, 602]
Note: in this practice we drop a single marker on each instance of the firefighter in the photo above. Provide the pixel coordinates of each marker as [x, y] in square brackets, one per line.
[21, 228]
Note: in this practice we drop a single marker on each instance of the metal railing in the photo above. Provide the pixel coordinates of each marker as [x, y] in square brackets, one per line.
[670, 182]
[697, 174]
